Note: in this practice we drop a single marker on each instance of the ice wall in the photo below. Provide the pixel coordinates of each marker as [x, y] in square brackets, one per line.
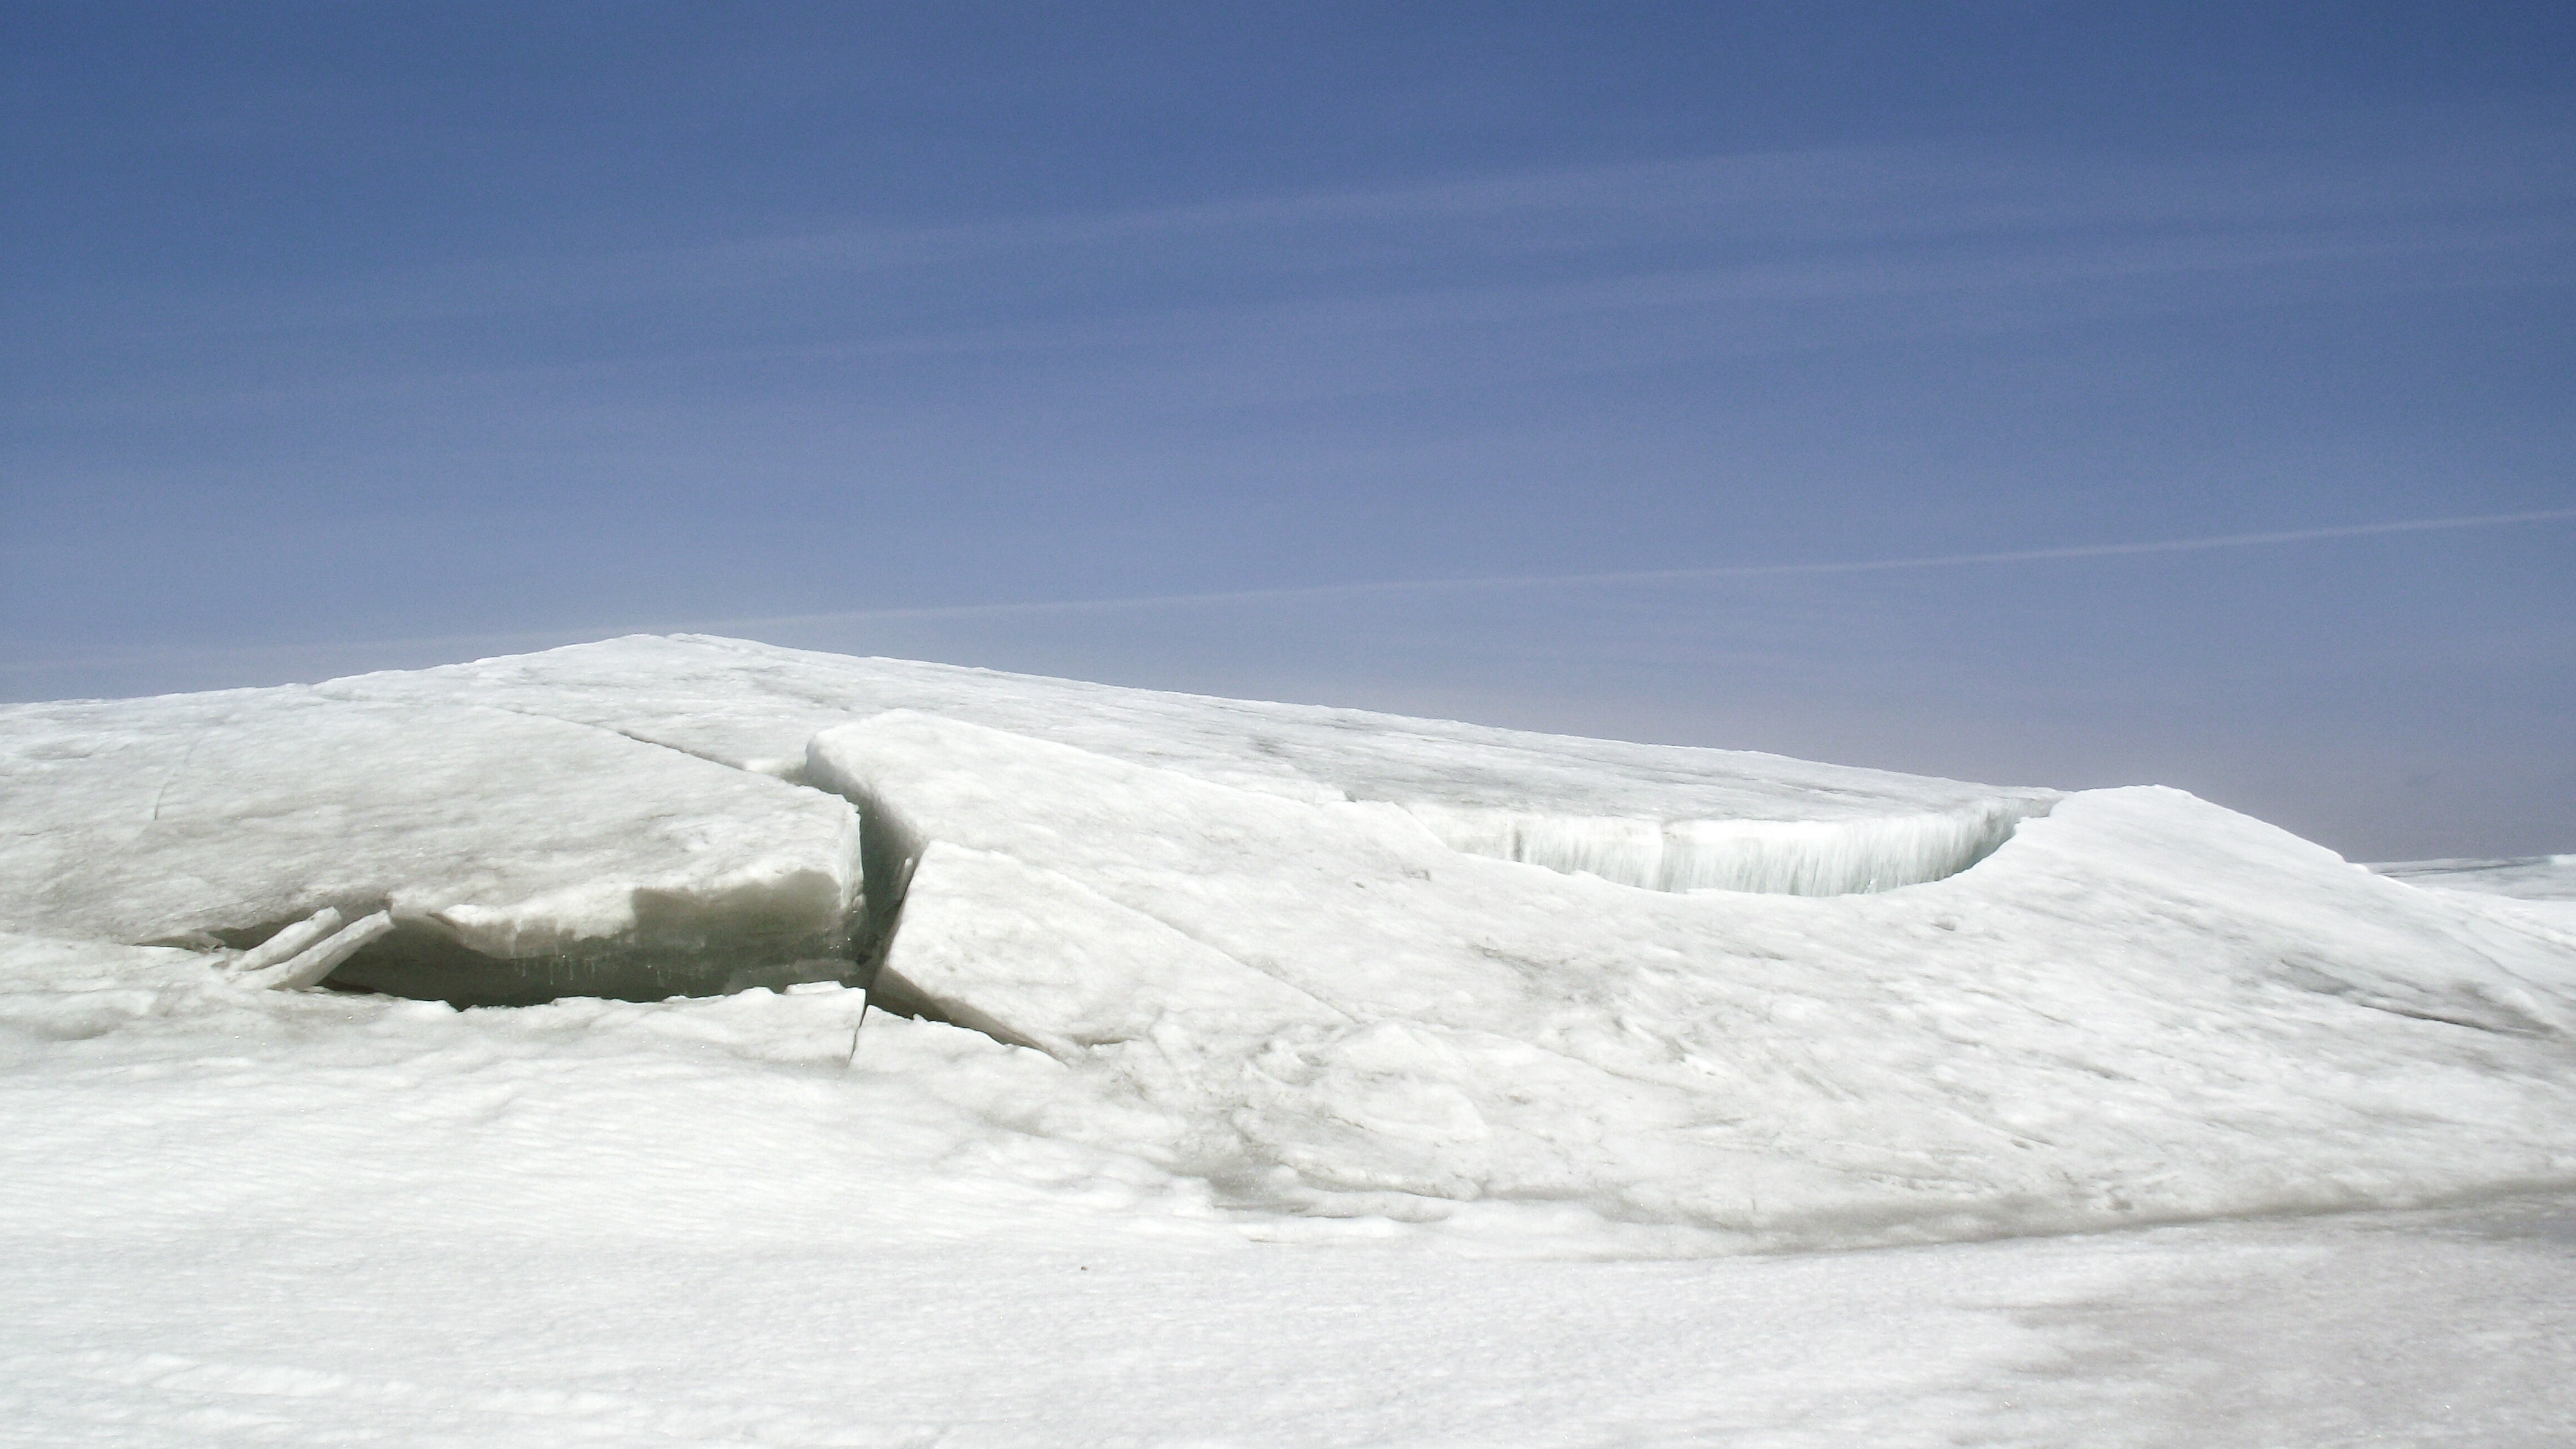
[1775, 857]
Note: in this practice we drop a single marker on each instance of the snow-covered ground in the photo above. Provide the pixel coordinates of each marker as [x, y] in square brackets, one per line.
[1306, 1077]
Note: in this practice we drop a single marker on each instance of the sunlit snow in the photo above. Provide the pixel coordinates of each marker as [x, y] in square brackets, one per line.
[1166, 980]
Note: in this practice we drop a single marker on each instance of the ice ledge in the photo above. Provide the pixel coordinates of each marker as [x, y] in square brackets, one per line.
[1773, 857]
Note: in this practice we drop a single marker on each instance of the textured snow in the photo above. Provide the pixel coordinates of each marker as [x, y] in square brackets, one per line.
[1297, 1068]
[755, 707]
[320, 1219]
[2537, 894]
[2142, 1006]
[1251, 935]
[2529, 878]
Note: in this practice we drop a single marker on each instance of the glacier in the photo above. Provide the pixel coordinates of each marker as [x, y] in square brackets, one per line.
[1330, 964]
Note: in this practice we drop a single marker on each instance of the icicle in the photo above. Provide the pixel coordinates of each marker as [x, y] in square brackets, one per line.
[286, 944]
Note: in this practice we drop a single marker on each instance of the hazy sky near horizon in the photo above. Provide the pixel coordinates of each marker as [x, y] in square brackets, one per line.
[1113, 341]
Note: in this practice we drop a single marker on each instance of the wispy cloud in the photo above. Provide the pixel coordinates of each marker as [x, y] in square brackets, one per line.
[2455, 189]
[450, 644]
[1711, 574]
[1515, 276]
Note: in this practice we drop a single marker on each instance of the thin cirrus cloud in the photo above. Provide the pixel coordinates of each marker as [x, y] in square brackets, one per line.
[1634, 577]
[1799, 228]
[1491, 430]
[1494, 583]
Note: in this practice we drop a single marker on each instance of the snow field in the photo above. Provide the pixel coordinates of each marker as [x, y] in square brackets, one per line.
[276, 1218]
[1247, 948]
[2142, 1007]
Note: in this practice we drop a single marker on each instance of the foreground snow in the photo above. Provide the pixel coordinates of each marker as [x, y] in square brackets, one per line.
[327, 1220]
[1292, 1076]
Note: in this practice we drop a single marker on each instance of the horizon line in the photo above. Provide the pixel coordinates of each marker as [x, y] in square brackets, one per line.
[1363, 588]
[1675, 575]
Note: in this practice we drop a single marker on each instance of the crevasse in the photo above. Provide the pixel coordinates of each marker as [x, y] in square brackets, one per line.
[1776, 857]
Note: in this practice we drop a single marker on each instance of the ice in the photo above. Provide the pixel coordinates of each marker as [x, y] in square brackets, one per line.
[309, 966]
[1779, 857]
[520, 857]
[288, 944]
[755, 707]
[2528, 878]
[2535, 892]
[1207, 987]
[2139, 1007]
[1334, 964]
[1095, 973]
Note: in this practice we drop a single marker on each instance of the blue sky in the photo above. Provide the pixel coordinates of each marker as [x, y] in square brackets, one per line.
[352, 336]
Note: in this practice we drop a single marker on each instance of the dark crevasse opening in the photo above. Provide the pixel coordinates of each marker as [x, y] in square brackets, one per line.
[679, 947]
[889, 850]
[420, 958]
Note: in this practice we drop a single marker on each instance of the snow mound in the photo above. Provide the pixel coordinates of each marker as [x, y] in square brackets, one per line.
[1301, 956]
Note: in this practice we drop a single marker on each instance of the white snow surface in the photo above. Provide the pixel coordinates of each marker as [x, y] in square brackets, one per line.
[1265, 1108]
[1256, 965]
[2142, 1006]
[2535, 892]
[312, 1219]
[2528, 878]
[1651, 815]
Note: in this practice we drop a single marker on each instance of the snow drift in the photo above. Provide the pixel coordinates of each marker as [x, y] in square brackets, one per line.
[1338, 963]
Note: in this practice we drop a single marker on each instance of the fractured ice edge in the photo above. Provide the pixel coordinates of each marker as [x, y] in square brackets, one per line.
[1338, 962]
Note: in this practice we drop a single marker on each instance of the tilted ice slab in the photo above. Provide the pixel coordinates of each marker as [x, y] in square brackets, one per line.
[2141, 1006]
[1658, 816]
[520, 857]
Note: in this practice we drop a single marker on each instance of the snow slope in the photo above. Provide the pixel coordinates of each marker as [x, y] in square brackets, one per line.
[2537, 893]
[1254, 948]
[2528, 878]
